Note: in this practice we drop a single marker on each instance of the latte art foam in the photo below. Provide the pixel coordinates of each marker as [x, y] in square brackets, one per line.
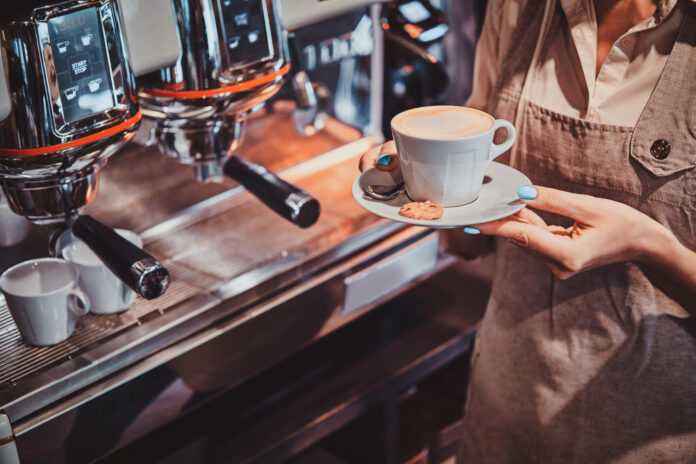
[443, 122]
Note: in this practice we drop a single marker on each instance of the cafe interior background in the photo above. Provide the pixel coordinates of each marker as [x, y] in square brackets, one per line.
[276, 320]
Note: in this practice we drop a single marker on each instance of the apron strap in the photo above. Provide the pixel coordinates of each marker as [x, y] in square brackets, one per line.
[545, 26]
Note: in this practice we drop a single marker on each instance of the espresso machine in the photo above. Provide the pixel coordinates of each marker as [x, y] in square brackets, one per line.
[234, 59]
[67, 104]
[250, 294]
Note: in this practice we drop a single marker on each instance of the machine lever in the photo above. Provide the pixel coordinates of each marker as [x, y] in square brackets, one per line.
[135, 267]
[289, 201]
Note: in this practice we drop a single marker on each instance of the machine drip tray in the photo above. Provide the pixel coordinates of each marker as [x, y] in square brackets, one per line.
[224, 250]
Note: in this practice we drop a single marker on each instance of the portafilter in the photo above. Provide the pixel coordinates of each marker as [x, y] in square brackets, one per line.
[67, 103]
[233, 60]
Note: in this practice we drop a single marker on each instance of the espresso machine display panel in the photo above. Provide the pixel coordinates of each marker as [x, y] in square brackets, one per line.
[81, 64]
[247, 32]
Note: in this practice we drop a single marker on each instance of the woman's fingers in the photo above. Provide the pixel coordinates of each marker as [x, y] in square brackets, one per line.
[557, 248]
[389, 147]
[572, 205]
[558, 230]
[370, 157]
[530, 217]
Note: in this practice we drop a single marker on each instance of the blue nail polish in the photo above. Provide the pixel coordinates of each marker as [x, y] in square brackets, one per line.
[384, 160]
[526, 192]
[471, 231]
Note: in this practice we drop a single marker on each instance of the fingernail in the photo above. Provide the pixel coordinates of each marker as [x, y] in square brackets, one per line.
[526, 192]
[471, 231]
[384, 160]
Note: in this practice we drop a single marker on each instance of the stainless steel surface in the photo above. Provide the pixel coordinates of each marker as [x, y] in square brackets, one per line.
[202, 143]
[297, 202]
[220, 261]
[237, 270]
[152, 22]
[55, 199]
[386, 276]
[141, 399]
[5, 103]
[8, 446]
[152, 280]
[52, 183]
[298, 13]
[312, 104]
[344, 55]
[385, 192]
[204, 83]
[234, 61]
[205, 64]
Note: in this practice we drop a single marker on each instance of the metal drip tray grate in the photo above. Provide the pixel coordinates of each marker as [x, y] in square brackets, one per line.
[19, 360]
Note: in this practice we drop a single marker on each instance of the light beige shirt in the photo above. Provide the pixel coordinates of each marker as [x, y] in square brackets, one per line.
[564, 77]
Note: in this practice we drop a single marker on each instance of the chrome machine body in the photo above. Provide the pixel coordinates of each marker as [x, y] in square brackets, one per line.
[200, 102]
[68, 103]
[233, 60]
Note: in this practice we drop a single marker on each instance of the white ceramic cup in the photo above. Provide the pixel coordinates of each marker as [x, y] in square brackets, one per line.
[447, 170]
[13, 227]
[44, 300]
[106, 291]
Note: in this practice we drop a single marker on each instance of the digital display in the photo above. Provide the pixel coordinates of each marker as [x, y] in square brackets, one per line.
[414, 12]
[246, 27]
[79, 56]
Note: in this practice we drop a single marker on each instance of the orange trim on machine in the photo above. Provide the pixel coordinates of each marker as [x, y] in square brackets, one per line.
[74, 143]
[190, 94]
[7, 440]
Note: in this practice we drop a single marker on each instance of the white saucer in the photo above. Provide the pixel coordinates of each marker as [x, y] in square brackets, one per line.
[498, 199]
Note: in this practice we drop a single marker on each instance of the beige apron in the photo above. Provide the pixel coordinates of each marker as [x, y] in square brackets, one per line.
[600, 367]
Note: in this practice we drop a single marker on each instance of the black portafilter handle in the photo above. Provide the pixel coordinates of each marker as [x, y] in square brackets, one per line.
[136, 268]
[289, 201]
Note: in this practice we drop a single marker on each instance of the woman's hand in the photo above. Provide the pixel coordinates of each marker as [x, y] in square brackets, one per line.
[604, 232]
[382, 157]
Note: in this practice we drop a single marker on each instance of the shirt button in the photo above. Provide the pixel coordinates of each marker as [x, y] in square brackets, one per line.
[660, 149]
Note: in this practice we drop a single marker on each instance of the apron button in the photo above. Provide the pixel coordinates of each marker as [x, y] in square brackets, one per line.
[660, 149]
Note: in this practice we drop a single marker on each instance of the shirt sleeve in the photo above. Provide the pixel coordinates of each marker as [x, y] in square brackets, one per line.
[486, 59]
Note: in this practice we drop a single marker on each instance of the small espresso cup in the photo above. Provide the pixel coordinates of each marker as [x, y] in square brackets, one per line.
[44, 300]
[444, 151]
[106, 291]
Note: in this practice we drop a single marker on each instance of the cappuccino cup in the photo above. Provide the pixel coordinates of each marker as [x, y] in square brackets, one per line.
[44, 300]
[106, 291]
[444, 151]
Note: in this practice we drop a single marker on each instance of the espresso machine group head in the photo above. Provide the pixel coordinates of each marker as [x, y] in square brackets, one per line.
[233, 60]
[67, 103]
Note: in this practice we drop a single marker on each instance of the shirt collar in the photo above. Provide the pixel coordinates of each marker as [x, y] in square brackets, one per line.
[664, 8]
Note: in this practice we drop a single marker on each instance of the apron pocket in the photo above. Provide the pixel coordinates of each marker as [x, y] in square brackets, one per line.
[668, 146]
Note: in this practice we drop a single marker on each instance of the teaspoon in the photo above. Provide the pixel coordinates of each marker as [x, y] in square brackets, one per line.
[384, 192]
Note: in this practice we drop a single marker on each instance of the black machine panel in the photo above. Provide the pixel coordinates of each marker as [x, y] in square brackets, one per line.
[246, 27]
[80, 60]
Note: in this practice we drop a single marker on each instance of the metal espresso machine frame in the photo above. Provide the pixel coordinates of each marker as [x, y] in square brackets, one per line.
[199, 104]
[67, 104]
[251, 294]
